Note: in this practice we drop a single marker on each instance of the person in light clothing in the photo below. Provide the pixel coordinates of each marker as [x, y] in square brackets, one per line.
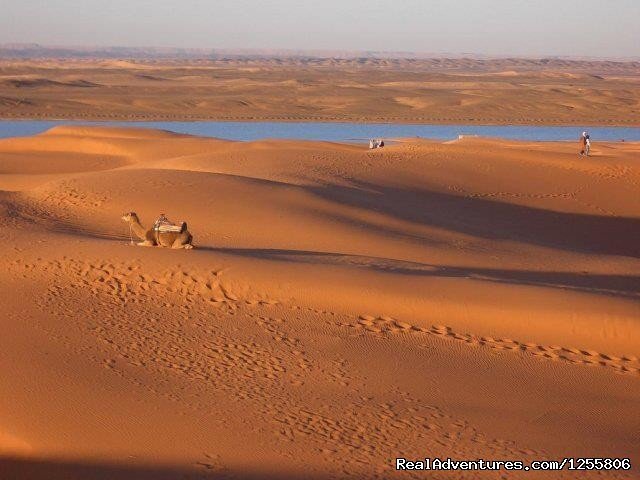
[585, 144]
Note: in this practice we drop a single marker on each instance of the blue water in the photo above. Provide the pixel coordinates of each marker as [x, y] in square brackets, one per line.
[349, 132]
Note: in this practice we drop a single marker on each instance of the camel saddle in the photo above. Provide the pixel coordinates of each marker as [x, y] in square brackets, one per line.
[164, 225]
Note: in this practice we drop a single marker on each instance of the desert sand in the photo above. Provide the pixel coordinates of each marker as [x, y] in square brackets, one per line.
[441, 90]
[342, 307]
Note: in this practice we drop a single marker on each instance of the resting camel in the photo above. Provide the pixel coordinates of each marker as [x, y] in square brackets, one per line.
[173, 237]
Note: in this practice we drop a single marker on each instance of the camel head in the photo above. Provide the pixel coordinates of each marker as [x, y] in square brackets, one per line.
[131, 217]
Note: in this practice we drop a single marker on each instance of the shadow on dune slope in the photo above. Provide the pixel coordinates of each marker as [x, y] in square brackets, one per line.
[483, 218]
[604, 284]
[493, 220]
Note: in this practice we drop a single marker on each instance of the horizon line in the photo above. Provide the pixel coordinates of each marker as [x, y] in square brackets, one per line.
[193, 52]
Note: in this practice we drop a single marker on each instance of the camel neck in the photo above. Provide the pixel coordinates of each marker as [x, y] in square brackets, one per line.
[138, 230]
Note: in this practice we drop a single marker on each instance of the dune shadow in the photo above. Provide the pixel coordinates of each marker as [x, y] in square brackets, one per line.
[484, 218]
[605, 284]
[491, 219]
[477, 217]
[17, 468]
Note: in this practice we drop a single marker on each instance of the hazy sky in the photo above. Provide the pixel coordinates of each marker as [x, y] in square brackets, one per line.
[495, 27]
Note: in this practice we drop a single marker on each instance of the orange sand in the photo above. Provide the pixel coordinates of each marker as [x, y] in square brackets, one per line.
[441, 90]
[473, 299]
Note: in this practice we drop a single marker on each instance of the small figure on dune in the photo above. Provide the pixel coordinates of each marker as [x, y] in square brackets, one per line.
[585, 144]
[163, 233]
[376, 143]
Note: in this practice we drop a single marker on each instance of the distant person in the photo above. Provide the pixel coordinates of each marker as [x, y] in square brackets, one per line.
[587, 144]
[583, 143]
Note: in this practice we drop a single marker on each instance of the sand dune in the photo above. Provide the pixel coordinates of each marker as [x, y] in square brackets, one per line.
[456, 90]
[473, 299]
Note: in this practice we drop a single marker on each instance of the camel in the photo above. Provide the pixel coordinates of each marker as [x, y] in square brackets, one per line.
[173, 237]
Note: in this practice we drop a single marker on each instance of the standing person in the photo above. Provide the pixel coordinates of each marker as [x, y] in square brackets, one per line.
[583, 143]
[587, 144]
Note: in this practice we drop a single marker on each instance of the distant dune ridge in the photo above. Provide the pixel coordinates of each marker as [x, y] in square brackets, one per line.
[123, 84]
[342, 307]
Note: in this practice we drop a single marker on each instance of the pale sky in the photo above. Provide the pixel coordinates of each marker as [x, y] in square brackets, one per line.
[599, 28]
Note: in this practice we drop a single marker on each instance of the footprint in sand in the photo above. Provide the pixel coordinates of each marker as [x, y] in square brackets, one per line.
[620, 364]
